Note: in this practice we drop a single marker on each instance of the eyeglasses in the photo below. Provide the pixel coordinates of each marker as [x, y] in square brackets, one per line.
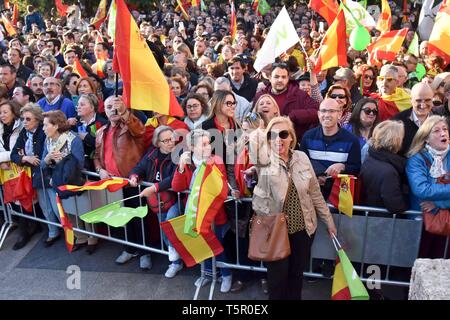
[366, 76]
[230, 104]
[193, 106]
[426, 101]
[332, 111]
[382, 78]
[340, 96]
[167, 141]
[370, 111]
[27, 119]
[283, 134]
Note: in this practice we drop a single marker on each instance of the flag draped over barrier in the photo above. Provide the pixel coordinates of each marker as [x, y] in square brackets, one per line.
[144, 84]
[192, 250]
[281, 37]
[66, 224]
[17, 186]
[342, 193]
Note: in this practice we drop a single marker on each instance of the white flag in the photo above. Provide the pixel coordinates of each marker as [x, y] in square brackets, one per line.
[426, 18]
[360, 14]
[281, 37]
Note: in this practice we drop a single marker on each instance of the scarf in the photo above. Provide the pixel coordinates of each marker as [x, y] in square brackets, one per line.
[437, 168]
[63, 144]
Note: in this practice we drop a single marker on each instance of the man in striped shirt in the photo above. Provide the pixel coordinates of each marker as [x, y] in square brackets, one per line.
[331, 149]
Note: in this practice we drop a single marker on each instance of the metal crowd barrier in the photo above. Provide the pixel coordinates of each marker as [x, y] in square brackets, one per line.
[367, 239]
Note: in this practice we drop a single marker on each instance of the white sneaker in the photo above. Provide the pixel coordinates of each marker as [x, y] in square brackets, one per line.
[125, 257]
[145, 262]
[226, 284]
[173, 254]
[201, 282]
[173, 270]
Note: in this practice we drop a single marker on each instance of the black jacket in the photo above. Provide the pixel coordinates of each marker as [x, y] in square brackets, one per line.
[383, 181]
[247, 89]
[410, 129]
[38, 149]
[149, 165]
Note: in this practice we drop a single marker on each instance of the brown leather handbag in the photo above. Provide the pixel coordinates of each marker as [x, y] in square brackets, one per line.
[269, 240]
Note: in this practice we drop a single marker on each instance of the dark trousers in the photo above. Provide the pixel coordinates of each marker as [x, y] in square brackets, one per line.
[433, 246]
[285, 277]
[27, 226]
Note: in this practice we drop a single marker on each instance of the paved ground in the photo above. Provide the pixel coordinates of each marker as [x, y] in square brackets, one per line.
[35, 272]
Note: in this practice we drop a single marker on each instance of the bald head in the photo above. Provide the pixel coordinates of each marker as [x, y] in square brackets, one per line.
[328, 102]
[422, 100]
[421, 88]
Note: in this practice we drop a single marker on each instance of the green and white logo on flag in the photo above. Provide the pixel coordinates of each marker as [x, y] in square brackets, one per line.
[359, 14]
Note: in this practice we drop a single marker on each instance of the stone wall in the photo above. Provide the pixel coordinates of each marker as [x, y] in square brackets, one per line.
[430, 280]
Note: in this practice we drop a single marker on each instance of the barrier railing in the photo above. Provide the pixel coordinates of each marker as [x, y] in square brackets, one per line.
[367, 239]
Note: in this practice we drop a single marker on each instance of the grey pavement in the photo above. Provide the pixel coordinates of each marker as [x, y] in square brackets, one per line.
[35, 272]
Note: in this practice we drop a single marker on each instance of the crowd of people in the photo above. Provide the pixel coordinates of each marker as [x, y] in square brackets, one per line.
[296, 128]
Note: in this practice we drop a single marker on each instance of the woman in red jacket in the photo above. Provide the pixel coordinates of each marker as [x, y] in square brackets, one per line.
[198, 142]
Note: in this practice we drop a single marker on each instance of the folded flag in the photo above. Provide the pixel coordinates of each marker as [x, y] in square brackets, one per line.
[114, 215]
[112, 184]
[192, 250]
[342, 193]
[391, 104]
[17, 186]
[346, 283]
[66, 224]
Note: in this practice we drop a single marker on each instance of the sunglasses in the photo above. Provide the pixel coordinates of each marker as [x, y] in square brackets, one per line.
[26, 119]
[370, 111]
[340, 96]
[381, 78]
[437, 103]
[272, 135]
[369, 77]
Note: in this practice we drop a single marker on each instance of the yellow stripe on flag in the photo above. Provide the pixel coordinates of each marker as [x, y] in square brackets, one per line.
[339, 282]
[345, 195]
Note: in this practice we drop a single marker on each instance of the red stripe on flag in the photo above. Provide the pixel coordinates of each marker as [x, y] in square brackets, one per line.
[178, 245]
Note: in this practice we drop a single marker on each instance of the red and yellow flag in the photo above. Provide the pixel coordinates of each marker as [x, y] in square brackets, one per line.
[194, 3]
[328, 9]
[333, 53]
[15, 15]
[62, 8]
[182, 6]
[144, 84]
[391, 104]
[233, 21]
[341, 196]
[66, 224]
[100, 63]
[387, 46]
[192, 250]
[8, 26]
[340, 289]
[439, 42]
[212, 194]
[112, 184]
[7, 5]
[385, 19]
[78, 68]
[242, 164]
[17, 186]
[100, 15]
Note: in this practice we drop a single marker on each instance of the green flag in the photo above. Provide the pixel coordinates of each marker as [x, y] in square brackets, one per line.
[263, 7]
[202, 6]
[356, 287]
[192, 202]
[114, 215]
[414, 45]
[363, 3]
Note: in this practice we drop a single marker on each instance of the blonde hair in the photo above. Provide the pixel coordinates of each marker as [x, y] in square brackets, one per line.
[290, 125]
[388, 136]
[422, 134]
[255, 108]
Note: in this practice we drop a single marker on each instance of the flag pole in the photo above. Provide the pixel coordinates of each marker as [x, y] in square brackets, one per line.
[117, 84]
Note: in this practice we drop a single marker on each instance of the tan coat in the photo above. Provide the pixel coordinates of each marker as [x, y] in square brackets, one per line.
[273, 181]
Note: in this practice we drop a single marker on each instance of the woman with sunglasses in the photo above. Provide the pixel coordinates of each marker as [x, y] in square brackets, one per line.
[343, 98]
[363, 119]
[365, 76]
[289, 185]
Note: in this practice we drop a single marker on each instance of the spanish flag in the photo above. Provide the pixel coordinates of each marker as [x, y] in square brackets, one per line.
[78, 68]
[192, 250]
[8, 26]
[182, 5]
[17, 186]
[439, 42]
[346, 283]
[62, 8]
[242, 164]
[100, 15]
[66, 224]
[194, 3]
[112, 184]
[387, 46]
[342, 193]
[233, 22]
[328, 9]
[15, 16]
[385, 19]
[333, 53]
[391, 104]
[144, 84]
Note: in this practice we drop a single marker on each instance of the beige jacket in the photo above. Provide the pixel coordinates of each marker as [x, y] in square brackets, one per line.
[273, 181]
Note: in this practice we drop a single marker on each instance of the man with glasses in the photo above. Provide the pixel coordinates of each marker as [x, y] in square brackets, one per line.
[413, 118]
[332, 149]
[391, 99]
[54, 100]
[291, 100]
